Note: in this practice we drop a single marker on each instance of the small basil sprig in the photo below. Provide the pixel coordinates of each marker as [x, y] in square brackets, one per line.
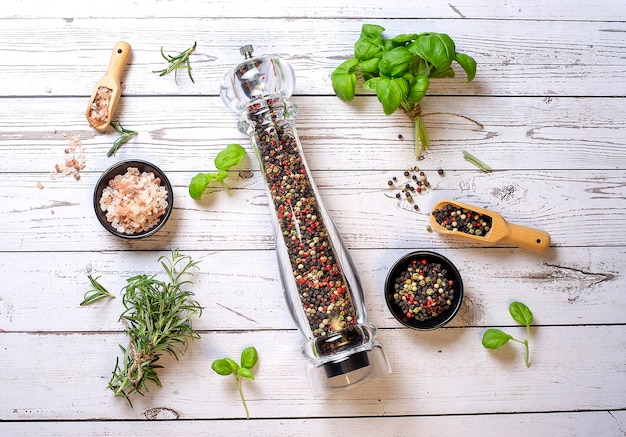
[399, 70]
[495, 338]
[227, 158]
[228, 366]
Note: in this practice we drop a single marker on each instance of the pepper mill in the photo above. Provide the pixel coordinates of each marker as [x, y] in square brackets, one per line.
[322, 288]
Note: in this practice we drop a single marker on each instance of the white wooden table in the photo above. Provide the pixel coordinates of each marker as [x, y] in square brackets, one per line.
[547, 111]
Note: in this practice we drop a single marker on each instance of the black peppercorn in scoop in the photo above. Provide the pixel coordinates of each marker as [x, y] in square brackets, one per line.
[498, 231]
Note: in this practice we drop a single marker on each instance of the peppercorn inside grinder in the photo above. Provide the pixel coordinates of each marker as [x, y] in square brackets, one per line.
[322, 287]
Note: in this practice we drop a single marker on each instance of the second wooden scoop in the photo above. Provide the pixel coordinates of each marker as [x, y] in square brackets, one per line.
[499, 232]
[106, 93]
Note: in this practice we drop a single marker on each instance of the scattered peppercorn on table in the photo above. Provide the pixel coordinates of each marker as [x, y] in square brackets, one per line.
[545, 112]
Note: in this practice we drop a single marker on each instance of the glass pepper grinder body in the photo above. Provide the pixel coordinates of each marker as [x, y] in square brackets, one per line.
[321, 285]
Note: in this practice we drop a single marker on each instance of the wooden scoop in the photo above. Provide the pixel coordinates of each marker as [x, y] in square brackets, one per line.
[106, 93]
[499, 232]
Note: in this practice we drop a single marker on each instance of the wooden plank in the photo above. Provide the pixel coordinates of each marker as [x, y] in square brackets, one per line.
[68, 373]
[604, 10]
[541, 58]
[186, 134]
[579, 285]
[601, 423]
[60, 216]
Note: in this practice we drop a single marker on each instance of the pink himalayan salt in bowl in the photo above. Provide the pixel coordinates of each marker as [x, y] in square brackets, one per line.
[133, 199]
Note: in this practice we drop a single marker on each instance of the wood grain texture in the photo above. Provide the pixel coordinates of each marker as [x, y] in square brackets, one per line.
[541, 58]
[185, 134]
[605, 423]
[546, 111]
[370, 219]
[561, 10]
[568, 287]
[580, 380]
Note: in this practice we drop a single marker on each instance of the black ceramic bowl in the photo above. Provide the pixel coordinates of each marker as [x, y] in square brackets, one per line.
[435, 312]
[120, 169]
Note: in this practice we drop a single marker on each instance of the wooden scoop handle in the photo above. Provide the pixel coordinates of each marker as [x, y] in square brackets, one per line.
[119, 57]
[528, 238]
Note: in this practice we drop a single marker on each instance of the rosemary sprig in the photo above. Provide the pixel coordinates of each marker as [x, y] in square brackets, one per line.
[158, 317]
[125, 135]
[477, 162]
[175, 62]
[96, 293]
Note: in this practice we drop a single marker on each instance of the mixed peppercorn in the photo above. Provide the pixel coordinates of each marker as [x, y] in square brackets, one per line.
[423, 290]
[413, 183]
[323, 290]
[462, 220]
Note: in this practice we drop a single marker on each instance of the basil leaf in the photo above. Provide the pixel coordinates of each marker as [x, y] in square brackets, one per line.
[246, 373]
[249, 357]
[371, 84]
[371, 31]
[436, 48]
[229, 157]
[449, 72]
[232, 363]
[370, 66]
[395, 62]
[226, 366]
[343, 79]
[403, 38]
[391, 92]
[367, 48]
[418, 89]
[221, 175]
[221, 367]
[494, 338]
[521, 313]
[399, 41]
[198, 184]
[423, 68]
[468, 63]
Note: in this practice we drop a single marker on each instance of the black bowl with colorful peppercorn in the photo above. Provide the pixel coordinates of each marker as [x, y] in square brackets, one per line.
[424, 290]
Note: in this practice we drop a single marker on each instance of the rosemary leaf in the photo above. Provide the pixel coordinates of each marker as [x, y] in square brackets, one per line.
[125, 135]
[477, 162]
[158, 318]
[96, 293]
[176, 62]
